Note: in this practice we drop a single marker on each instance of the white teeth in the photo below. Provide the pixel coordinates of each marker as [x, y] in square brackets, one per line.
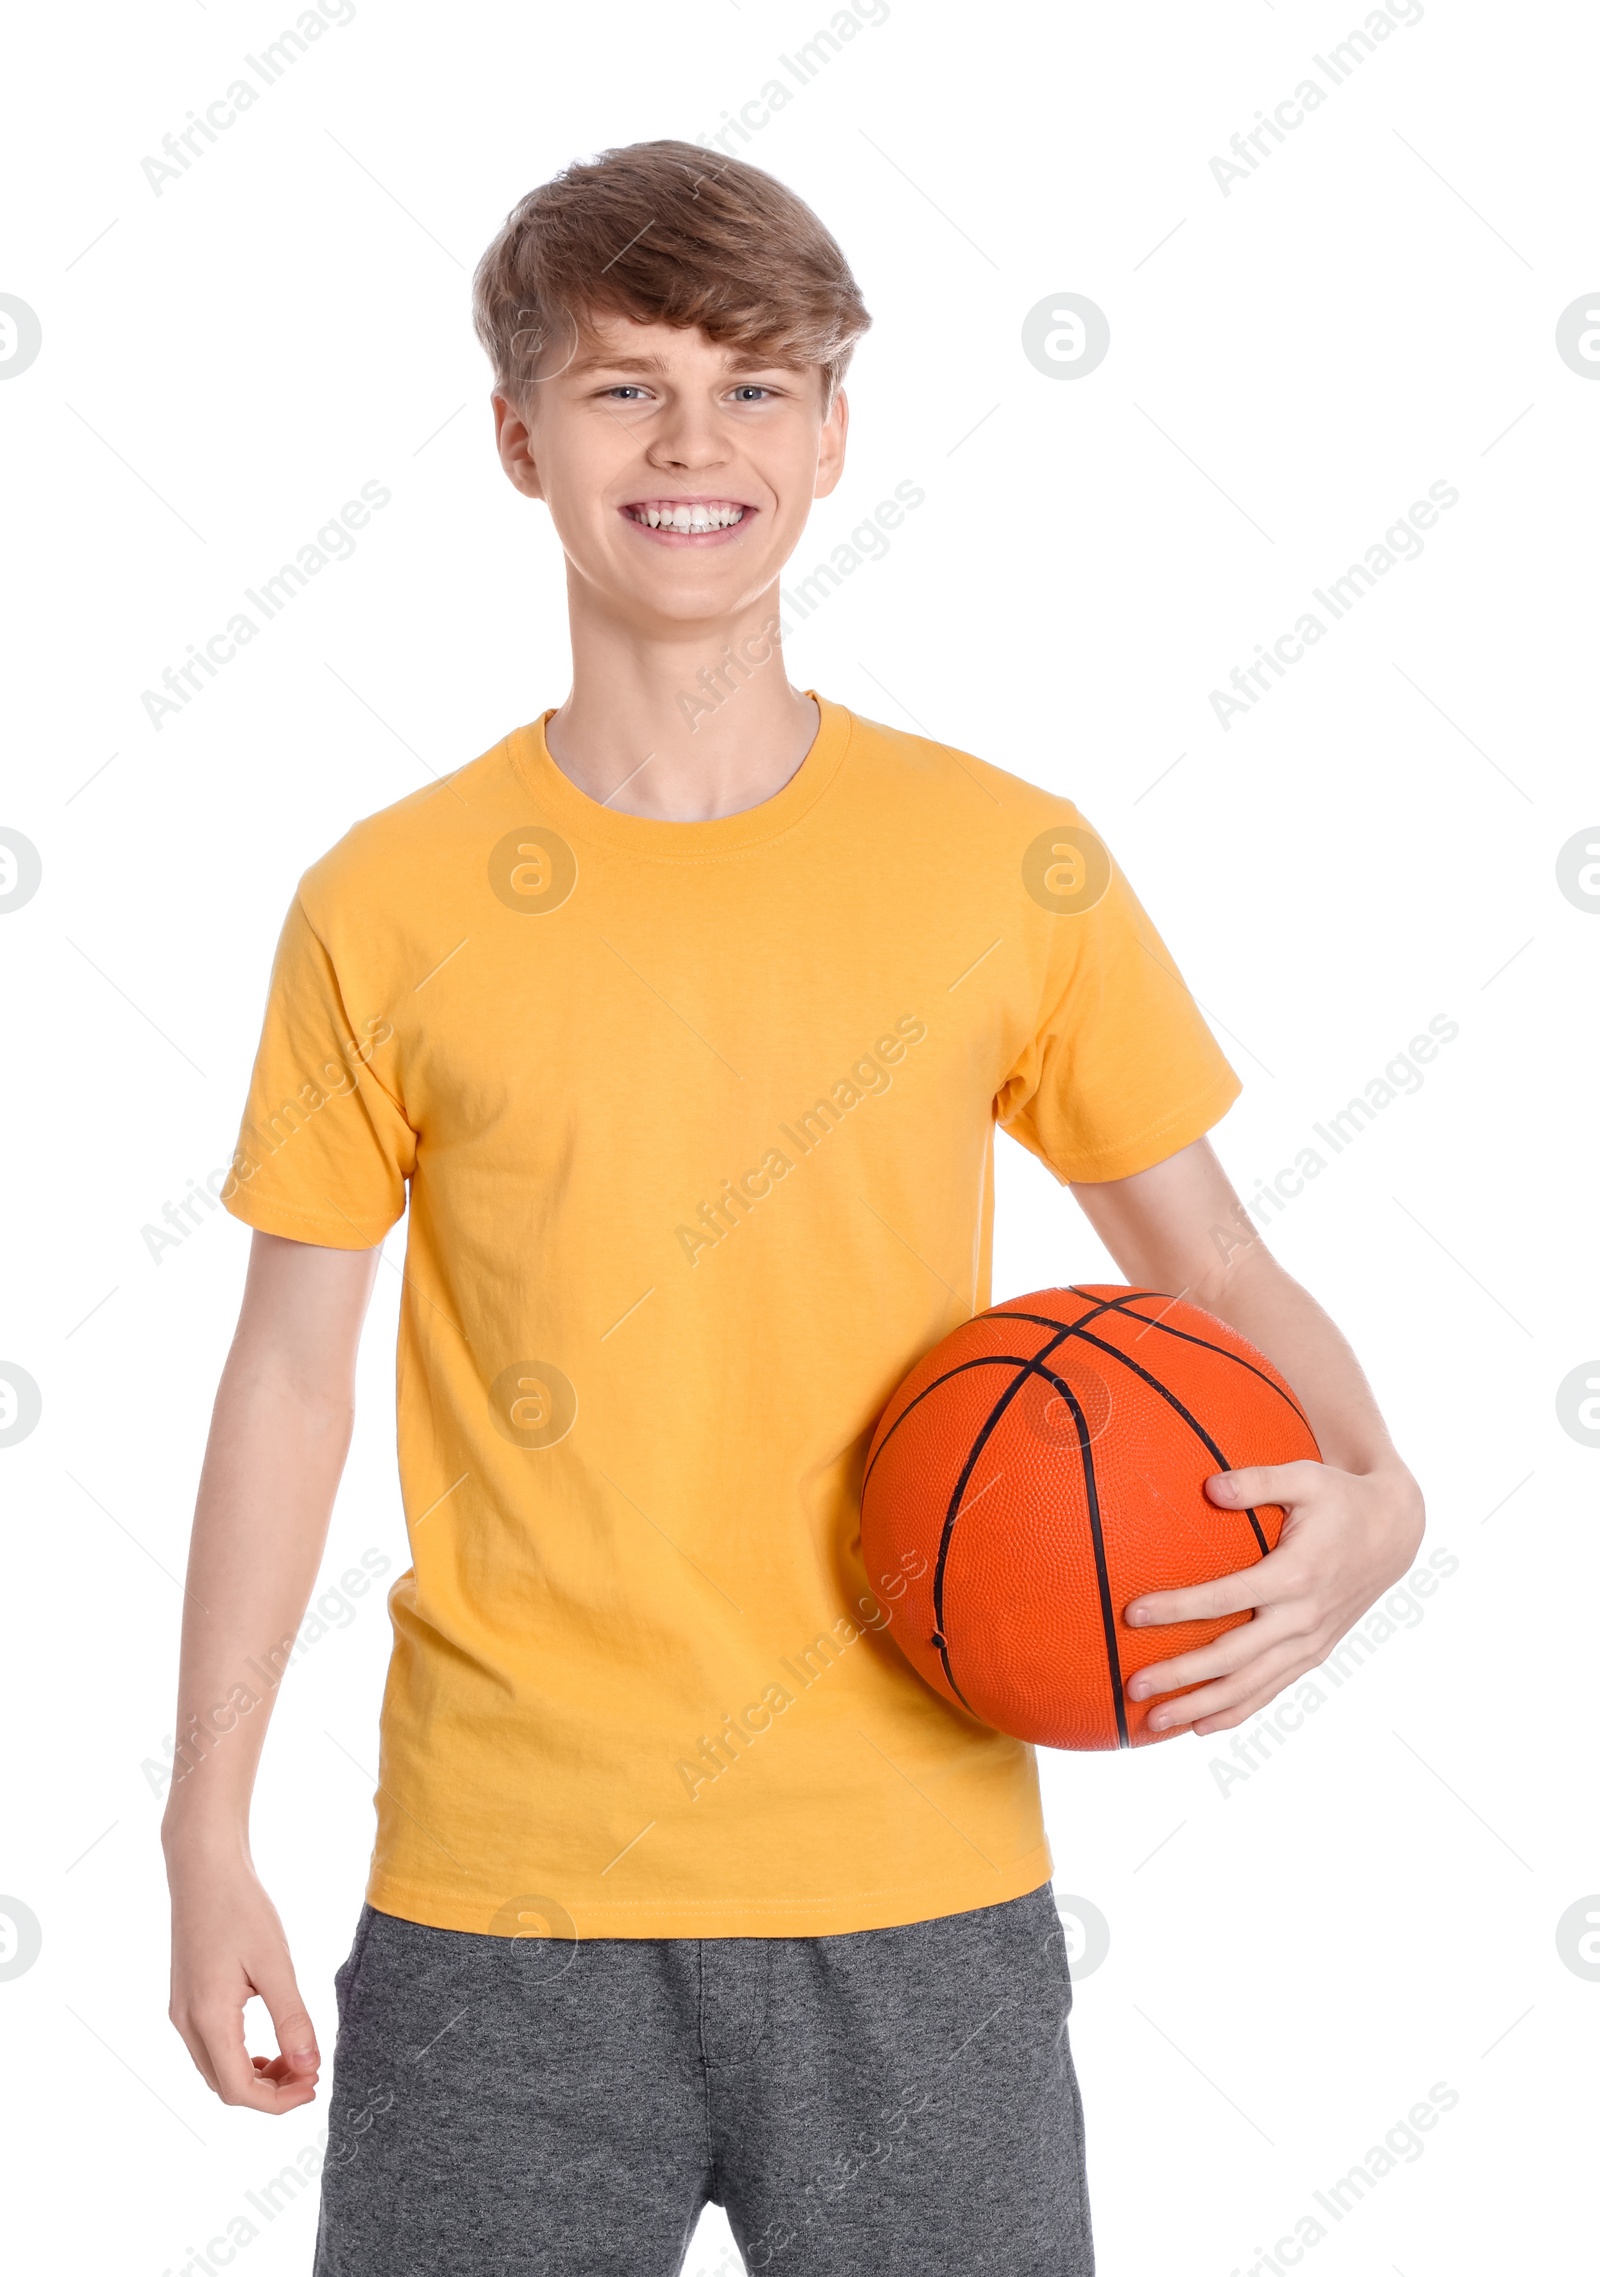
[698, 516]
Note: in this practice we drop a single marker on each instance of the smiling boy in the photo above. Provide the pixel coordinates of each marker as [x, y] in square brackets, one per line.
[685, 1025]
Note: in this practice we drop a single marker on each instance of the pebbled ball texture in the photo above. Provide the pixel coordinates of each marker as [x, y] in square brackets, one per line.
[1045, 1465]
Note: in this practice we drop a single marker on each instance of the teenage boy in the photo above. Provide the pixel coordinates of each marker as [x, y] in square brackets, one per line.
[686, 1015]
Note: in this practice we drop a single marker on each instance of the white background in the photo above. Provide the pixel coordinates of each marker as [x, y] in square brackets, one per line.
[1296, 1957]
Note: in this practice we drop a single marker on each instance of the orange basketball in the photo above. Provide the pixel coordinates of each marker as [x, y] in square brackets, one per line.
[1044, 1466]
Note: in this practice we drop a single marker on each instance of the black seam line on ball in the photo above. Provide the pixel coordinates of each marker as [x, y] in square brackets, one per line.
[1035, 1367]
[1108, 1617]
[1120, 1308]
[1173, 1401]
[1025, 1368]
[996, 1313]
[1122, 1305]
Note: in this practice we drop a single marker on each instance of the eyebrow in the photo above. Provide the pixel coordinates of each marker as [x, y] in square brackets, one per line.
[743, 360]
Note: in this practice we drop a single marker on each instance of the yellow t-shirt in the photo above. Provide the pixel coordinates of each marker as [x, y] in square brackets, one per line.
[697, 1120]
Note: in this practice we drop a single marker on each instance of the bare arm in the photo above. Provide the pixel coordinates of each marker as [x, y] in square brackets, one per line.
[1353, 1521]
[280, 1431]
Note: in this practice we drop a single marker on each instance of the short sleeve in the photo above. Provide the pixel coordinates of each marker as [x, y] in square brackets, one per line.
[1121, 1070]
[324, 1148]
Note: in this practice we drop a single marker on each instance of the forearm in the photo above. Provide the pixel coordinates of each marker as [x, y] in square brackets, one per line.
[1181, 1228]
[1285, 1322]
[271, 1470]
[1352, 1521]
[280, 1431]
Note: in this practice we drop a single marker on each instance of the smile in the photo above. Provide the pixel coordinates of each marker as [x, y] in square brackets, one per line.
[687, 517]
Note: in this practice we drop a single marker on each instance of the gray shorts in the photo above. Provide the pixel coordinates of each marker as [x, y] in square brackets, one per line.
[869, 2105]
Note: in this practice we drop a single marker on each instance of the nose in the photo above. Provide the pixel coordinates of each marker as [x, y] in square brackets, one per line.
[688, 439]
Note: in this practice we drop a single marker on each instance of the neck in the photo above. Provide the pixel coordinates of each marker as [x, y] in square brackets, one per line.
[685, 722]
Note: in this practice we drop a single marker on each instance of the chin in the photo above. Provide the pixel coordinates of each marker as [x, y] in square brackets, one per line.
[692, 600]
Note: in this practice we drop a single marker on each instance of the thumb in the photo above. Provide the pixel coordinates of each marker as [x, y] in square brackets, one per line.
[291, 2021]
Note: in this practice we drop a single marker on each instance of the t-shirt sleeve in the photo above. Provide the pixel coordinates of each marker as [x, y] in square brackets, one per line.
[324, 1147]
[1121, 1070]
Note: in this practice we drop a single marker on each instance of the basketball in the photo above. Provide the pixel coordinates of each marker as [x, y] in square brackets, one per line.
[1042, 1467]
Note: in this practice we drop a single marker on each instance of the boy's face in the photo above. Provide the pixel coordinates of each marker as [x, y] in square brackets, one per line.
[678, 472]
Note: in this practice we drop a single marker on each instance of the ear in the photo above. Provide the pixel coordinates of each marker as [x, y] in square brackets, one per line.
[515, 444]
[830, 446]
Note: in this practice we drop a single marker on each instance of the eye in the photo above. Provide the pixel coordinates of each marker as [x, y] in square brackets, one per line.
[750, 392]
[627, 390]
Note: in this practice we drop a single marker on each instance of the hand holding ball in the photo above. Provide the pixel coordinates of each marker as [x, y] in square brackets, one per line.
[1041, 1468]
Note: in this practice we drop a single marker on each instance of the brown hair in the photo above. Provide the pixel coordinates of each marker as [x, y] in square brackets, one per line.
[672, 234]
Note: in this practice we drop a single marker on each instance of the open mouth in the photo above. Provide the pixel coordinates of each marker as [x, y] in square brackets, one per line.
[688, 518]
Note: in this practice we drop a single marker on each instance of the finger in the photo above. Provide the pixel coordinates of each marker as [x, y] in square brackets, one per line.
[220, 2026]
[235, 2076]
[297, 2035]
[1207, 1600]
[1282, 1483]
[1231, 1698]
[1227, 1655]
[1252, 1704]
